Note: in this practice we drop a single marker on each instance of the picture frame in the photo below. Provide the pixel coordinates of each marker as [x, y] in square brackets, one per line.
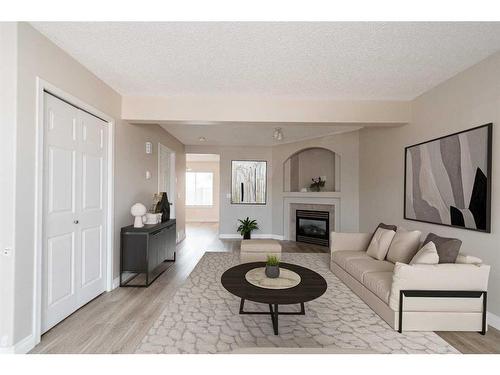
[447, 180]
[249, 182]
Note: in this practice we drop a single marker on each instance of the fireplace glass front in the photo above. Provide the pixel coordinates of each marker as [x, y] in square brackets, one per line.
[313, 227]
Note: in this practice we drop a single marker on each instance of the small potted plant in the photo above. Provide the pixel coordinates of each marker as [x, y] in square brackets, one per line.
[246, 227]
[317, 184]
[272, 267]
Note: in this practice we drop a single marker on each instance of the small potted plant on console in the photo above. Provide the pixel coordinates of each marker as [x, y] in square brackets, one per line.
[246, 227]
[272, 267]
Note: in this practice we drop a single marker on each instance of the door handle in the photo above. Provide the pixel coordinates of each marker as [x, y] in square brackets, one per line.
[75, 222]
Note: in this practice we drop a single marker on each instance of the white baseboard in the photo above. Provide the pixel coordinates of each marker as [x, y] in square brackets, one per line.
[203, 221]
[277, 237]
[256, 236]
[181, 236]
[116, 283]
[493, 320]
[22, 347]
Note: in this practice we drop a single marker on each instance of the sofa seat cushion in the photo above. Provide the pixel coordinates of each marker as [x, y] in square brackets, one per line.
[341, 257]
[359, 267]
[379, 283]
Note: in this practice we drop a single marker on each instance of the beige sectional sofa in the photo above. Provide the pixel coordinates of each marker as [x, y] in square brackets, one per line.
[440, 297]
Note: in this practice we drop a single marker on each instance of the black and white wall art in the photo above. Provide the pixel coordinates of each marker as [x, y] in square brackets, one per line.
[448, 180]
[248, 182]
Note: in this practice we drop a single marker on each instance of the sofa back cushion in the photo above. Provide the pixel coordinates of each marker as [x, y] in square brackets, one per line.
[379, 245]
[447, 248]
[404, 246]
[426, 255]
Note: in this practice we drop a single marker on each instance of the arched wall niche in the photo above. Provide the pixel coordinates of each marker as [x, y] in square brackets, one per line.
[312, 162]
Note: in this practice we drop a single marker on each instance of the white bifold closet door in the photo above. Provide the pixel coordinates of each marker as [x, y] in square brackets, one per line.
[74, 209]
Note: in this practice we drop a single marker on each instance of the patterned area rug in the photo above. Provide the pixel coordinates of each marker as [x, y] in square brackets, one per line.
[203, 317]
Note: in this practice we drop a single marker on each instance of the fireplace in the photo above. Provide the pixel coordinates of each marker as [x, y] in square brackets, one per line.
[313, 227]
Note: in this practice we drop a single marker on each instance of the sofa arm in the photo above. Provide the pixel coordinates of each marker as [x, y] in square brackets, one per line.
[349, 241]
[446, 276]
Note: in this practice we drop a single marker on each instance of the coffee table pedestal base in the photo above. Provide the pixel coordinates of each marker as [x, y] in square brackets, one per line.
[274, 312]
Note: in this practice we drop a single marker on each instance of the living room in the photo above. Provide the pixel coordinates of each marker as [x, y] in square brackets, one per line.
[250, 188]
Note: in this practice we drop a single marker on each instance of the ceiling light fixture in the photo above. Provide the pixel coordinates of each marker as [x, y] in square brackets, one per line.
[202, 139]
[278, 134]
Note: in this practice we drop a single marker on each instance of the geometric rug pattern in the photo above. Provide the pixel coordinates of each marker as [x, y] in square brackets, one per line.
[203, 317]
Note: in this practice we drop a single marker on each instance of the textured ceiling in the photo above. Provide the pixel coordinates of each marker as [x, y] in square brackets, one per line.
[321, 60]
[250, 133]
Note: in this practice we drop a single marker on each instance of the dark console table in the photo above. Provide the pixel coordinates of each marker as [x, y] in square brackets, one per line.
[145, 253]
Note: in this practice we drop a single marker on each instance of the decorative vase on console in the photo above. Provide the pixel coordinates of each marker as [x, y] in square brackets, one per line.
[138, 211]
[162, 206]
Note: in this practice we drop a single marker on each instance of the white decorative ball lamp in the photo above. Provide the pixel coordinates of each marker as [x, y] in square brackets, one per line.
[138, 210]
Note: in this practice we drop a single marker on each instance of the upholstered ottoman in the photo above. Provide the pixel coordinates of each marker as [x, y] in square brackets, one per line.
[258, 250]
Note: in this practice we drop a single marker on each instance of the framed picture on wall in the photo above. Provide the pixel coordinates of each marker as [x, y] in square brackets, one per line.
[248, 182]
[448, 180]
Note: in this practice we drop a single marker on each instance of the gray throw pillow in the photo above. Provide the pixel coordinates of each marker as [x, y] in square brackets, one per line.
[387, 226]
[447, 248]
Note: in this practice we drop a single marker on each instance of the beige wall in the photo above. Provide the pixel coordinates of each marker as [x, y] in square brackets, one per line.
[266, 109]
[38, 57]
[313, 163]
[230, 213]
[270, 216]
[469, 99]
[205, 214]
[346, 145]
[131, 185]
[8, 102]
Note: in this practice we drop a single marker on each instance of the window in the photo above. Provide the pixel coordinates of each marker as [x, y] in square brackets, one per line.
[199, 188]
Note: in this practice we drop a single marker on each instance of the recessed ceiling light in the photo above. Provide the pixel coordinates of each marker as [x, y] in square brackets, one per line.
[202, 139]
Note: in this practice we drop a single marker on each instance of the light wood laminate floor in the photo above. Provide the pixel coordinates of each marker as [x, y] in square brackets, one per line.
[116, 322]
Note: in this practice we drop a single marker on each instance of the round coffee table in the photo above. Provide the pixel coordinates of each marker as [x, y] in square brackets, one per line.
[312, 285]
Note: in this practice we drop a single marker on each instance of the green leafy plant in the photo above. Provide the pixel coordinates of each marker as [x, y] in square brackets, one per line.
[246, 227]
[272, 260]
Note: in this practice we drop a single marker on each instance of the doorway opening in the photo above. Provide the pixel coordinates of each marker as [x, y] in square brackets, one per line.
[203, 190]
[166, 176]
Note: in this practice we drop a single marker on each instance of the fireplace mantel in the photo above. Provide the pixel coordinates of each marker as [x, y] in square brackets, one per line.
[312, 194]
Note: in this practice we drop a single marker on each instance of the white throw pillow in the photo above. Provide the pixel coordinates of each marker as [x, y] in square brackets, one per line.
[468, 259]
[426, 255]
[404, 246]
[379, 245]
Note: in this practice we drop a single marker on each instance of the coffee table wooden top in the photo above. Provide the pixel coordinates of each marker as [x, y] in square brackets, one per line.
[311, 286]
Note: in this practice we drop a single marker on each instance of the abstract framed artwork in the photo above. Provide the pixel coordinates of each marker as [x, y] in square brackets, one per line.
[448, 180]
[248, 182]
